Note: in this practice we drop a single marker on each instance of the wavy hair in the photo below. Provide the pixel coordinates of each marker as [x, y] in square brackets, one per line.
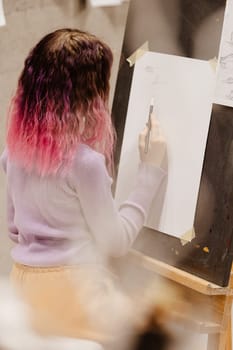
[61, 101]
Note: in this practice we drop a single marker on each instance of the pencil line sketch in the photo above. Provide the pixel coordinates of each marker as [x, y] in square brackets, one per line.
[149, 69]
[154, 75]
[228, 80]
[230, 96]
[224, 78]
[226, 62]
[231, 39]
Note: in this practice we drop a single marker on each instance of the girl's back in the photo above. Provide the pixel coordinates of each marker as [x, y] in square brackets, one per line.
[46, 219]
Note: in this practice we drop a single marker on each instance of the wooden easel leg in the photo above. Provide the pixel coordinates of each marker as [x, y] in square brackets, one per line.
[229, 337]
[225, 337]
[221, 341]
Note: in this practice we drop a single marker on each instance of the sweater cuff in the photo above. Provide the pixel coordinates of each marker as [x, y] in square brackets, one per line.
[150, 176]
[148, 182]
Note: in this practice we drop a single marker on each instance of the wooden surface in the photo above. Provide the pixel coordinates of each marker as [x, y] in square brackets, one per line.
[182, 277]
[198, 306]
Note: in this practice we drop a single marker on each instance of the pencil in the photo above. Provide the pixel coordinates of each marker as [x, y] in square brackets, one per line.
[149, 125]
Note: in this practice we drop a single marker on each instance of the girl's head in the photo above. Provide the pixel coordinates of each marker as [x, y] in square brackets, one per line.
[61, 101]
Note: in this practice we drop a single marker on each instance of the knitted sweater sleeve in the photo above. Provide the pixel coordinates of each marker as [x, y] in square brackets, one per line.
[113, 229]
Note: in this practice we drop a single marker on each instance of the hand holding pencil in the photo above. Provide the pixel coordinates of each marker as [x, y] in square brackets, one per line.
[152, 144]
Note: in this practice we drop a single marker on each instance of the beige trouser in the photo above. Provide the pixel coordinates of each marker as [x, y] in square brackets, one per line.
[79, 302]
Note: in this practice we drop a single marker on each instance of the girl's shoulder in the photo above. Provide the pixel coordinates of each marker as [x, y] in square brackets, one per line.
[88, 157]
[88, 167]
[87, 160]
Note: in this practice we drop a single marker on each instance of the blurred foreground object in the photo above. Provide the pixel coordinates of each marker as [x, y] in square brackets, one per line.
[16, 333]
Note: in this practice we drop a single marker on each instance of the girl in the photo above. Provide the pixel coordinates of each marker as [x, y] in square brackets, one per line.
[61, 213]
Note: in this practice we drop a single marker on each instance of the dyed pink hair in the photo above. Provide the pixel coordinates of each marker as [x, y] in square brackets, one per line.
[63, 89]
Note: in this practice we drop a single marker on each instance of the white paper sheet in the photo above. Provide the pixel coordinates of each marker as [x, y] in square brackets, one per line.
[2, 17]
[183, 89]
[224, 85]
[98, 3]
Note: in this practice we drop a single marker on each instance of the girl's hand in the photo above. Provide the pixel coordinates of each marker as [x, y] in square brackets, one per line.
[157, 146]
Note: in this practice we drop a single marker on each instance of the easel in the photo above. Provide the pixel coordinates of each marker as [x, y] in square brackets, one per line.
[215, 301]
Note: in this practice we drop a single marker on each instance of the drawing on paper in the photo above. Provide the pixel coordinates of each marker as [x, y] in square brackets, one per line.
[226, 62]
[183, 90]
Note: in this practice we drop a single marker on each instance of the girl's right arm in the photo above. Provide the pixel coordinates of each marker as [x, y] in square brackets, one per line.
[113, 229]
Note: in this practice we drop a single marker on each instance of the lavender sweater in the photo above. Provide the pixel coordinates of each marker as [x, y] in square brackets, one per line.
[74, 220]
